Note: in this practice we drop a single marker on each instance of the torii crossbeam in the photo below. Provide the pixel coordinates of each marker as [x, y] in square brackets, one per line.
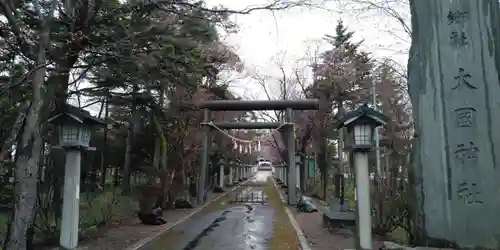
[249, 105]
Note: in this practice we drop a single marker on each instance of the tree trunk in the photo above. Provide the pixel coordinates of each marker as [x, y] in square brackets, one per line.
[340, 153]
[104, 152]
[156, 162]
[125, 184]
[28, 154]
[14, 133]
[162, 161]
[454, 88]
[129, 144]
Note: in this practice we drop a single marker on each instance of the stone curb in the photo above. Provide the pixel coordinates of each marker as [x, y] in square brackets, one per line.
[304, 245]
[147, 240]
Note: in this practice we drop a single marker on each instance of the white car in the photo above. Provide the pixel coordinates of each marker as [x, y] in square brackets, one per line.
[265, 165]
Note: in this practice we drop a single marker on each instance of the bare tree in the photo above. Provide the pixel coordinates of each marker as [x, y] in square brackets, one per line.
[388, 16]
[286, 84]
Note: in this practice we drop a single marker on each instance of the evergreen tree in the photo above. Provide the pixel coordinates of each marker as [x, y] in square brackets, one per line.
[344, 70]
[341, 80]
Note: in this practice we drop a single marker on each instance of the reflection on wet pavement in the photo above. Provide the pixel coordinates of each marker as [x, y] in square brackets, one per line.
[250, 195]
[238, 226]
[244, 227]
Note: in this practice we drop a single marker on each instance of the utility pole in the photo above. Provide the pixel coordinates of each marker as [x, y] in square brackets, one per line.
[377, 135]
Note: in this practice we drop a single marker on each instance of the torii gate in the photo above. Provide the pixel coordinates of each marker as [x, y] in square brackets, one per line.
[249, 105]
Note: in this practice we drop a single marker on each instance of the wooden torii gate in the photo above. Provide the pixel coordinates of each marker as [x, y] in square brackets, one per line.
[249, 105]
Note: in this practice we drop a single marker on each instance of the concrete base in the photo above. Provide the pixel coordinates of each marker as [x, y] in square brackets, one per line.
[339, 216]
[392, 245]
[339, 219]
[336, 206]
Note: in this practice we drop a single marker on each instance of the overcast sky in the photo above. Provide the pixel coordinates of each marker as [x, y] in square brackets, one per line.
[289, 35]
[264, 35]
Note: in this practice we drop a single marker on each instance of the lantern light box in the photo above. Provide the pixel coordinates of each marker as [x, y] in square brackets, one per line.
[74, 126]
[361, 124]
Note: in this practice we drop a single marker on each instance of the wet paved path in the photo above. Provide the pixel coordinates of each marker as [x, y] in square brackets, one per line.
[241, 226]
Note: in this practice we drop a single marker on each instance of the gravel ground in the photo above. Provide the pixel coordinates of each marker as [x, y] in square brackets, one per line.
[130, 231]
[318, 237]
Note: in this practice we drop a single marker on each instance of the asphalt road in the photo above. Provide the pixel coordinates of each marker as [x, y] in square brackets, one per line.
[240, 225]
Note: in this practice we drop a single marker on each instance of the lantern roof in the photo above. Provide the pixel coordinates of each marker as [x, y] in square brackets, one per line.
[365, 114]
[76, 114]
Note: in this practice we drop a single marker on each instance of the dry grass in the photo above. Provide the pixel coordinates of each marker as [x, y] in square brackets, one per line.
[223, 202]
[171, 237]
[219, 204]
[166, 240]
[284, 237]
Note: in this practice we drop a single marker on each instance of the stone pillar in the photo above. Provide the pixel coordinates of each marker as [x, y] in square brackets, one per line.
[71, 201]
[303, 173]
[292, 170]
[231, 174]
[362, 192]
[298, 174]
[221, 175]
[455, 89]
[236, 173]
[285, 175]
[204, 160]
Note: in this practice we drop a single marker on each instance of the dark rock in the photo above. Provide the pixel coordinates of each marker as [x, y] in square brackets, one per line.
[306, 205]
[284, 186]
[152, 217]
[182, 202]
[218, 190]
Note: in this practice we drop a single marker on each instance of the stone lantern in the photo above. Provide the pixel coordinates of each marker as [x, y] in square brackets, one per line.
[74, 127]
[361, 124]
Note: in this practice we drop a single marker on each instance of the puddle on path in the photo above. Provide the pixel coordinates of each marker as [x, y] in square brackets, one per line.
[238, 227]
[245, 227]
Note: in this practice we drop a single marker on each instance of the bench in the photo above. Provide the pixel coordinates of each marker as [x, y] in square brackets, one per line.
[337, 219]
[337, 216]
